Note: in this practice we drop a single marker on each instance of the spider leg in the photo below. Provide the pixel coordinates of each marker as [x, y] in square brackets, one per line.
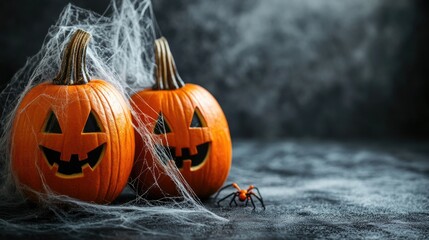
[259, 198]
[233, 200]
[229, 195]
[223, 188]
[251, 200]
[258, 192]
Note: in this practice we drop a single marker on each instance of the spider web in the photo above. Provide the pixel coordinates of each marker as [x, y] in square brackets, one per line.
[120, 52]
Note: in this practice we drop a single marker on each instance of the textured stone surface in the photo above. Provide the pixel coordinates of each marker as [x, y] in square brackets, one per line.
[311, 190]
[334, 190]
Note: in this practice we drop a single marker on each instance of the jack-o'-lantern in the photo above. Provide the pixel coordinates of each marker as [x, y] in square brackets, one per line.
[73, 136]
[188, 125]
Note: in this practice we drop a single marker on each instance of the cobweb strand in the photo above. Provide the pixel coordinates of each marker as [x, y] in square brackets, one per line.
[120, 52]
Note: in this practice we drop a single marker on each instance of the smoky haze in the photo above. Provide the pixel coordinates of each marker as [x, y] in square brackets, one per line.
[281, 68]
[306, 68]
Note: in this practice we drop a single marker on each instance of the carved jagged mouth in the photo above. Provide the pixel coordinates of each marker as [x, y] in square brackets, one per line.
[74, 166]
[196, 159]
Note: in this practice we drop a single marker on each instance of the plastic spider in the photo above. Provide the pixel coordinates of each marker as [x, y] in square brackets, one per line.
[242, 194]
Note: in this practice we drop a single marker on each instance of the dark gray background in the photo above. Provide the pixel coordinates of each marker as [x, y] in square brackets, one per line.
[326, 69]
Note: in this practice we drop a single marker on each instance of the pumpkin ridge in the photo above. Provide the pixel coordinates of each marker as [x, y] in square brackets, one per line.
[128, 139]
[111, 90]
[178, 102]
[90, 98]
[102, 99]
[190, 102]
[65, 123]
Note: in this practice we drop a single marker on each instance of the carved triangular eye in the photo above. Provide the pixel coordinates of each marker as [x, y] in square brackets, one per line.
[91, 124]
[197, 120]
[161, 126]
[52, 125]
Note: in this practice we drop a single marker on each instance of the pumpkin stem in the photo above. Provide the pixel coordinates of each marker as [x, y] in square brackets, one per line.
[166, 76]
[73, 66]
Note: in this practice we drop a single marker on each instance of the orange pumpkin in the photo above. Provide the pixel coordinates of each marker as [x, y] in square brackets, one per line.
[188, 124]
[73, 136]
